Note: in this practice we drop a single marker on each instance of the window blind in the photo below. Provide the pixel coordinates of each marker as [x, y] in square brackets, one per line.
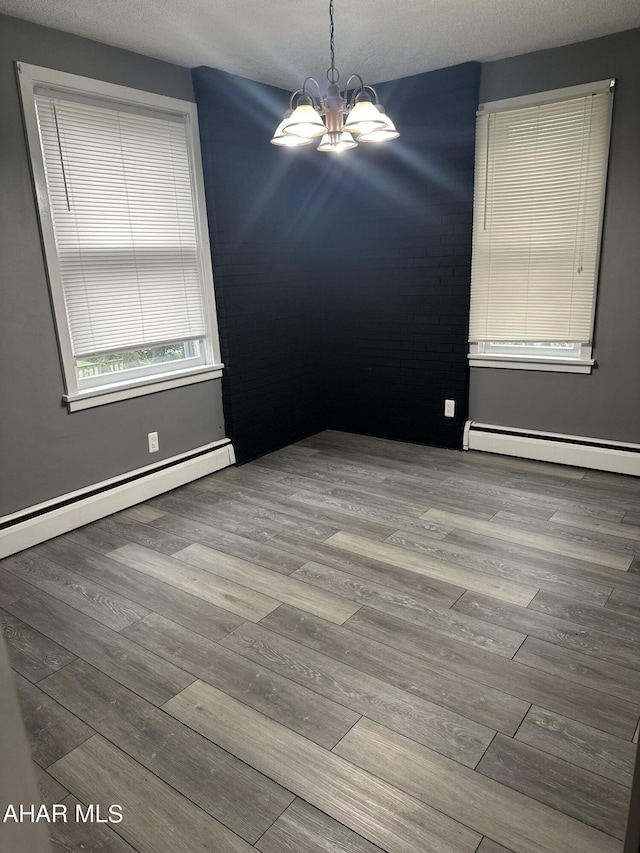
[539, 184]
[122, 206]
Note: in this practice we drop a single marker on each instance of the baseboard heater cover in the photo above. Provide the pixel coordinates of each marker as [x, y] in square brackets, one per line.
[580, 451]
[52, 518]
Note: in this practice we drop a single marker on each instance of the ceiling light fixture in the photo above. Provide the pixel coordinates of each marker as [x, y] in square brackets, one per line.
[342, 122]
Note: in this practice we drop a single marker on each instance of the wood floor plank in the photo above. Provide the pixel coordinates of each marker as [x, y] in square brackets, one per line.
[403, 465]
[240, 600]
[533, 505]
[590, 799]
[544, 472]
[561, 501]
[266, 518]
[50, 790]
[356, 588]
[446, 621]
[216, 484]
[101, 604]
[427, 723]
[31, 653]
[625, 531]
[506, 566]
[485, 805]
[534, 685]
[235, 794]
[556, 563]
[540, 541]
[308, 513]
[395, 499]
[623, 601]
[317, 718]
[285, 588]
[475, 498]
[370, 807]
[74, 836]
[592, 536]
[422, 491]
[602, 503]
[500, 588]
[12, 588]
[358, 508]
[145, 673]
[552, 629]
[185, 609]
[582, 745]
[142, 534]
[156, 819]
[254, 476]
[601, 619]
[489, 846]
[195, 509]
[468, 698]
[440, 593]
[264, 555]
[142, 513]
[94, 538]
[577, 668]
[51, 730]
[303, 828]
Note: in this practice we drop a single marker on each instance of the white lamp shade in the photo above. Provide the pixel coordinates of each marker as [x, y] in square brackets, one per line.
[382, 134]
[345, 142]
[364, 118]
[288, 140]
[305, 121]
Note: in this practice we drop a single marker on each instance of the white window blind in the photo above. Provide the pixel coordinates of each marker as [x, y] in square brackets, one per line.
[539, 187]
[120, 191]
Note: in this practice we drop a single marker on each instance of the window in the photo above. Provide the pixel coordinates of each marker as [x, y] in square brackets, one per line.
[540, 178]
[120, 195]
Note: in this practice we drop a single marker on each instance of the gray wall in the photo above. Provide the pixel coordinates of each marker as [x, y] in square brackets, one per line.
[606, 403]
[44, 450]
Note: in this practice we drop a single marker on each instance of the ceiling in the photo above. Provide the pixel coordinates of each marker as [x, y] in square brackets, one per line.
[282, 41]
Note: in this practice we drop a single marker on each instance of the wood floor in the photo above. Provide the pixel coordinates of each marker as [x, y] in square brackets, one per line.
[349, 646]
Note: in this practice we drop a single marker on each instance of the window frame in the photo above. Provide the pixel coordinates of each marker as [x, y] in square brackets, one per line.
[75, 396]
[480, 352]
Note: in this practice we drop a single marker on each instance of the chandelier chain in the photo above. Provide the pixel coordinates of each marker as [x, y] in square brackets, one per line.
[332, 73]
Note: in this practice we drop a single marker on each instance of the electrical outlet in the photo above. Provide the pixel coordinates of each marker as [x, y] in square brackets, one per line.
[154, 446]
[449, 408]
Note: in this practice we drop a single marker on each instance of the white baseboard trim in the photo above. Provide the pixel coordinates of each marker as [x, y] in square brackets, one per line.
[580, 451]
[52, 518]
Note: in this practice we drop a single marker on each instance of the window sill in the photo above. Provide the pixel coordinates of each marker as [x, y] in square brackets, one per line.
[514, 362]
[138, 387]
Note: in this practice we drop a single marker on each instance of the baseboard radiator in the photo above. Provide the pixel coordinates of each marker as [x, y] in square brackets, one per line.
[38, 523]
[583, 452]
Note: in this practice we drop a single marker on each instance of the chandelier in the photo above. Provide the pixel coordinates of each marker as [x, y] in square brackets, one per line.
[342, 122]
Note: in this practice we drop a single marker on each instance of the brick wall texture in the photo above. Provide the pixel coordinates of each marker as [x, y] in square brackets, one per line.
[342, 283]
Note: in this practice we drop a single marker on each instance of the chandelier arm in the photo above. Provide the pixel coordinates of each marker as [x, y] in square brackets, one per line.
[371, 89]
[361, 88]
[306, 94]
[293, 96]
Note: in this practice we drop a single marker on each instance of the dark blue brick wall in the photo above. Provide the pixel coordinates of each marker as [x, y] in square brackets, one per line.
[261, 208]
[342, 283]
[399, 306]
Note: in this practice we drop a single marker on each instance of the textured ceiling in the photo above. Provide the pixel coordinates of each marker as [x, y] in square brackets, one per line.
[282, 41]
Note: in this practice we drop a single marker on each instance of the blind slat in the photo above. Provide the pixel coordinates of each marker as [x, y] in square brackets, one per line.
[539, 183]
[123, 214]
